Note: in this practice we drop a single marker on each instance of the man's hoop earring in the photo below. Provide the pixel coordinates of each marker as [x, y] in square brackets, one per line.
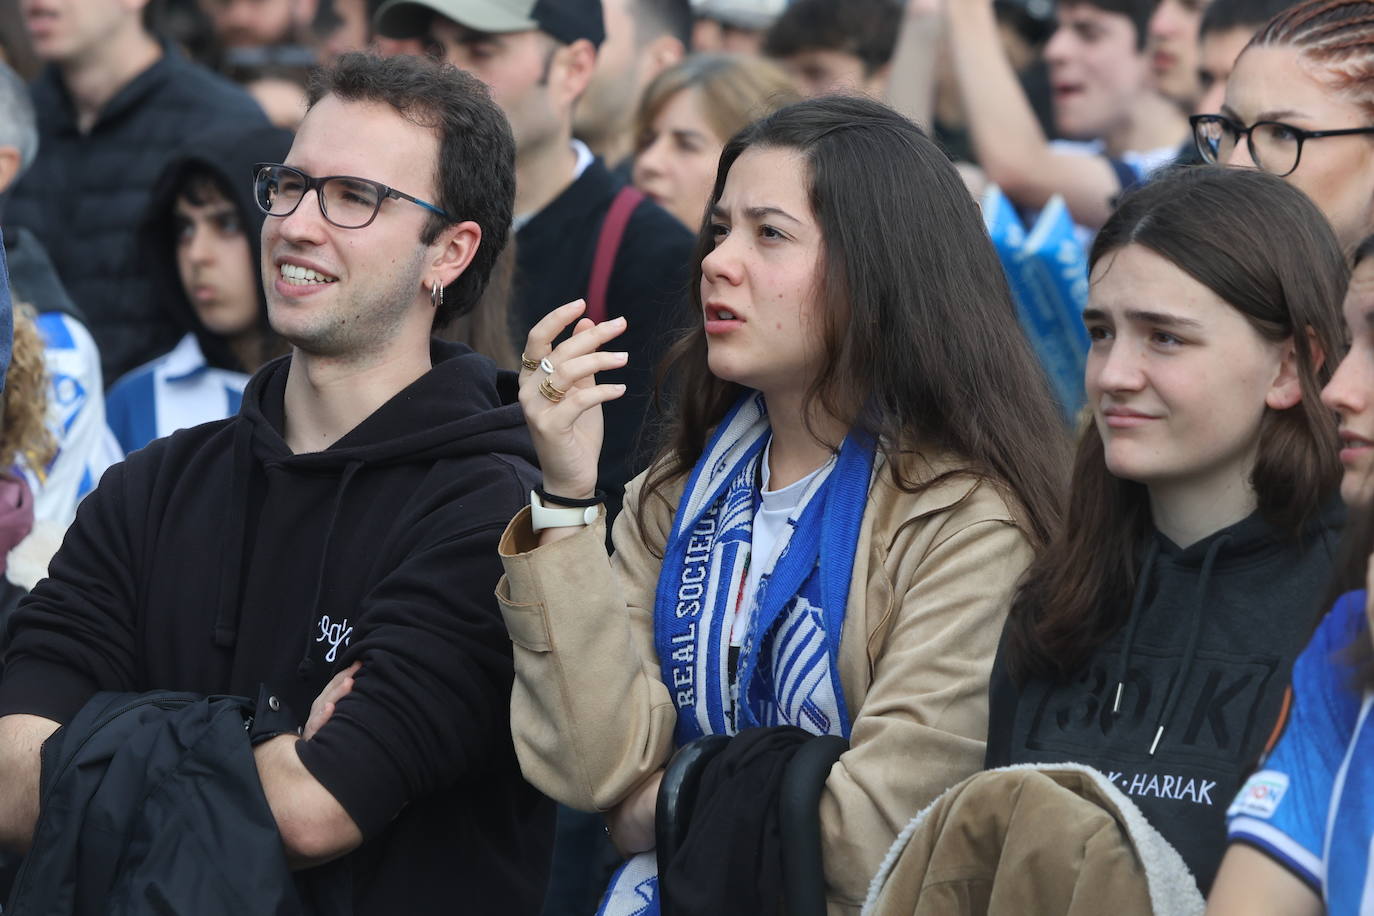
[436, 295]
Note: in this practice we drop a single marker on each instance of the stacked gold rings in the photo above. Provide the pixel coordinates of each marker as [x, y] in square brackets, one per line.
[547, 388]
[552, 391]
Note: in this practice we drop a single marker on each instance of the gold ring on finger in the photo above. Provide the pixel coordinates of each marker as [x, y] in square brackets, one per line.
[552, 391]
[530, 364]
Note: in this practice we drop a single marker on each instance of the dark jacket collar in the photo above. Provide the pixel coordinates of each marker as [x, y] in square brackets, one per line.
[50, 90]
[592, 189]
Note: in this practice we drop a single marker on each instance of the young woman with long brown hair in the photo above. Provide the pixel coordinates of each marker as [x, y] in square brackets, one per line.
[863, 459]
[1154, 639]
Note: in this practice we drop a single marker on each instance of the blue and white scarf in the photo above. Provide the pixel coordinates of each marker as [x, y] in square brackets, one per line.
[788, 664]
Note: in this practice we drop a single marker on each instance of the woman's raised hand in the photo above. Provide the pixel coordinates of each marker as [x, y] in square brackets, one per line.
[563, 407]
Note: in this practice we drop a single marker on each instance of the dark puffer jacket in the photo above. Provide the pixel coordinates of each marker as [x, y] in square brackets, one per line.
[152, 803]
[86, 192]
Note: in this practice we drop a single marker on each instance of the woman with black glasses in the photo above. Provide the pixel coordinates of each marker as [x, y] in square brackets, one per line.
[1300, 105]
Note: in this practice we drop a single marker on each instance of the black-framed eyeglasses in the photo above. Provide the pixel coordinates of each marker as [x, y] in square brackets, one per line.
[1274, 147]
[346, 201]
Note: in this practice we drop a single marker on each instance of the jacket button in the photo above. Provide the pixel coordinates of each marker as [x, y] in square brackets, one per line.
[274, 704]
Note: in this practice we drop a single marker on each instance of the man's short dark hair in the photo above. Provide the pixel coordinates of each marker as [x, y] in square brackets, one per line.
[865, 28]
[656, 18]
[1138, 11]
[1225, 15]
[476, 167]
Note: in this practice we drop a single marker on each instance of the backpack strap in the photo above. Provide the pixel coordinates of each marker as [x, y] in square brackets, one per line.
[607, 247]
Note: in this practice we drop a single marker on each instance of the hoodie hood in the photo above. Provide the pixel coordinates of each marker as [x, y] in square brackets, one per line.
[464, 407]
[228, 154]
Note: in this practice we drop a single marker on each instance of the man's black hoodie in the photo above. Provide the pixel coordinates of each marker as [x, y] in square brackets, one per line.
[216, 560]
[1203, 660]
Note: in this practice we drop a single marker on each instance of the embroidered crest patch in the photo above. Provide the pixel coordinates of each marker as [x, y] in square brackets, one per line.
[1261, 795]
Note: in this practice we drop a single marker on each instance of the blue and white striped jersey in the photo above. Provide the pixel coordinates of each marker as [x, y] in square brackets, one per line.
[175, 391]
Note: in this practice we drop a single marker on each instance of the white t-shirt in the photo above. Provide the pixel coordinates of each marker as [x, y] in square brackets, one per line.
[770, 525]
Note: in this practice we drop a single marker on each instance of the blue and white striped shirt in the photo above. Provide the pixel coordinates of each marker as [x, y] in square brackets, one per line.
[177, 390]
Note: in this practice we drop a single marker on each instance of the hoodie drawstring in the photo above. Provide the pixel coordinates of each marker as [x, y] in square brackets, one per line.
[1132, 622]
[1190, 651]
[307, 663]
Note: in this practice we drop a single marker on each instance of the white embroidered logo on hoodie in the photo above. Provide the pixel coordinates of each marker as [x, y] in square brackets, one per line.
[336, 634]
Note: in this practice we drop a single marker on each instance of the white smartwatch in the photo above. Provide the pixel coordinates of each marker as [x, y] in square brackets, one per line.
[542, 516]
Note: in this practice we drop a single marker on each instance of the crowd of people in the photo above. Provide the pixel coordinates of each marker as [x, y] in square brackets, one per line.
[577, 457]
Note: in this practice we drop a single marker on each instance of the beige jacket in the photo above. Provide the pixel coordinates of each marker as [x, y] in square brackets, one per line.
[932, 581]
[1031, 840]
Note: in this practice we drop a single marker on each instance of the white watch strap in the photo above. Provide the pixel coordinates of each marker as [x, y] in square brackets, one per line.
[542, 516]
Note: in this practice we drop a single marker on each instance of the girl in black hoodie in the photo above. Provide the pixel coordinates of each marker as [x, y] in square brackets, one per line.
[1154, 639]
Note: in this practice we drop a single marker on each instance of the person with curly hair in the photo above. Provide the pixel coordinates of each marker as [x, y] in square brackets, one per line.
[25, 441]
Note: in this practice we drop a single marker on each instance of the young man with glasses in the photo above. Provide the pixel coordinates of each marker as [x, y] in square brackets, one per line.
[336, 541]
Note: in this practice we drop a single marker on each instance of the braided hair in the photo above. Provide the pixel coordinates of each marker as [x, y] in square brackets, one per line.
[1336, 34]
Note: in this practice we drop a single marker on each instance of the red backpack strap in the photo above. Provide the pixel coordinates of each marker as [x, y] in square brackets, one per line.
[607, 246]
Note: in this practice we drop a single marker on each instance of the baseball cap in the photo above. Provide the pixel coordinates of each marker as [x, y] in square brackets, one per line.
[741, 14]
[565, 20]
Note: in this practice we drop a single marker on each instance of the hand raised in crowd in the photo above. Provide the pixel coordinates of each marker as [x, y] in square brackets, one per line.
[562, 400]
[323, 708]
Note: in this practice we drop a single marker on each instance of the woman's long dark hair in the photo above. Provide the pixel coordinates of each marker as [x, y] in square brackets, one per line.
[922, 346]
[1264, 248]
